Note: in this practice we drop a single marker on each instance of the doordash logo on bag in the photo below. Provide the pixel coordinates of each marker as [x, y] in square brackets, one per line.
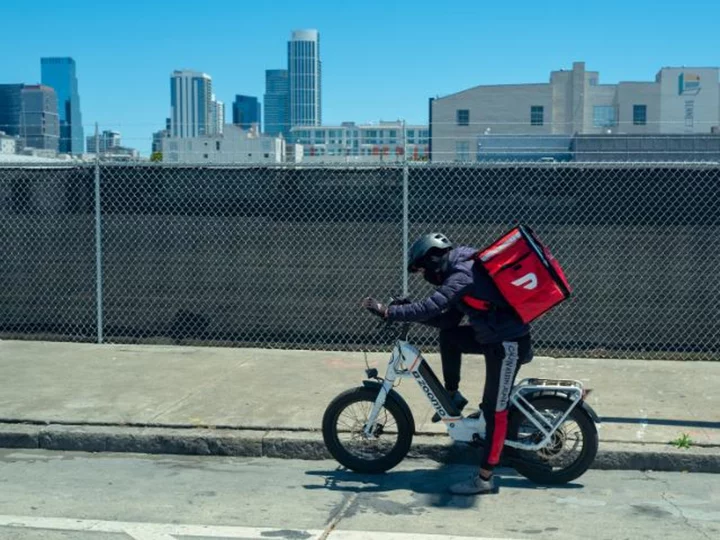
[528, 281]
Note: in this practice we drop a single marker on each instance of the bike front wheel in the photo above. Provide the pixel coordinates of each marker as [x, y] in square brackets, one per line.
[571, 450]
[343, 431]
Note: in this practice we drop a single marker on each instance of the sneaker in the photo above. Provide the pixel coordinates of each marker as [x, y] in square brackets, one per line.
[459, 400]
[474, 485]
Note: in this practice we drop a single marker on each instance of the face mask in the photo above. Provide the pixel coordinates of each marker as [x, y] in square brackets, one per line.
[434, 269]
[435, 278]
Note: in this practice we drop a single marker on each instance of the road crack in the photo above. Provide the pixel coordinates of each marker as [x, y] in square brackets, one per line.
[338, 516]
[665, 497]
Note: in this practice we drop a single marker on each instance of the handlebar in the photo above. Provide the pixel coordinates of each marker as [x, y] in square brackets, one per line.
[399, 330]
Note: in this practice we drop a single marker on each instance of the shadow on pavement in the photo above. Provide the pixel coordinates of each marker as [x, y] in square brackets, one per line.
[431, 483]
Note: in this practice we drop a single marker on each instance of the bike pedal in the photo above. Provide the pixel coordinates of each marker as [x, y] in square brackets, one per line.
[477, 441]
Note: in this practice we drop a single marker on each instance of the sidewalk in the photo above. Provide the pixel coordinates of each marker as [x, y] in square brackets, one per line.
[168, 399]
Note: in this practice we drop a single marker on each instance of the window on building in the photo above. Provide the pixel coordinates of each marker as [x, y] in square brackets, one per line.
[371, 136]
[640, 115]
[217, 145]
[604, 116]
[537, 115]
[462, 151]
[463, 117]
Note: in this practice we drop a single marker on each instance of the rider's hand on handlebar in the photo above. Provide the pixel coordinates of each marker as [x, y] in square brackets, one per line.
[375, 307]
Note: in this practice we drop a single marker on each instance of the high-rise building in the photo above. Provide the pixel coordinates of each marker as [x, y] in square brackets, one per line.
[304, 71]
[60, 75]
[40, 119]
[277, 102]
[106, 141]
[11, 108]
[217, 116]
[246, 112]
[30, 112]
[190, 103]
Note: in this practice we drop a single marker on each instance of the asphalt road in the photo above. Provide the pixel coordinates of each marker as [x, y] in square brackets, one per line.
[59, 495]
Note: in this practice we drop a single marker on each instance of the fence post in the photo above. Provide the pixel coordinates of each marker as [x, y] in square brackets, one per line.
[406, 205]
[98, 241]
[406, 219]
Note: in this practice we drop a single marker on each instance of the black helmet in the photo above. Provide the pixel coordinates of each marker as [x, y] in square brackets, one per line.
[428, 251]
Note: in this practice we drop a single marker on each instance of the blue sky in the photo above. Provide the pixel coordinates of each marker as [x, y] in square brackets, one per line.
[381, 59]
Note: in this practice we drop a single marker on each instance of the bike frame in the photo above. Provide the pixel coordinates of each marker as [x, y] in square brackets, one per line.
[406, 361]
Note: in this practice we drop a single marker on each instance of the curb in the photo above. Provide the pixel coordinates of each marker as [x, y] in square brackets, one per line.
[309, 445]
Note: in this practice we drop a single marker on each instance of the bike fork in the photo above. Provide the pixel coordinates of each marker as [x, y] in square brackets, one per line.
[369, 429]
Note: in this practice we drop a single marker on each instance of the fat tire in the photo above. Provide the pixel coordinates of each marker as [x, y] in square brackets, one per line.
[337, 450]
[541, 475]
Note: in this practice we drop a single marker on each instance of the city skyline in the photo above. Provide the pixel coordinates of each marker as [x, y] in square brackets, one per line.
[402, 57]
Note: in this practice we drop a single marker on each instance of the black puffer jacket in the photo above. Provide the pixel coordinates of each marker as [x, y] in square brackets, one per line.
[463, 282]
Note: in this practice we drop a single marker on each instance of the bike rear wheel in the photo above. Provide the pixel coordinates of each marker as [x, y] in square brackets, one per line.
[571, 450]
[343, 424]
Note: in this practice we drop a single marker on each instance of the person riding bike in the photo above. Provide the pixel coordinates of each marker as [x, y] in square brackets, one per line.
[494, 330]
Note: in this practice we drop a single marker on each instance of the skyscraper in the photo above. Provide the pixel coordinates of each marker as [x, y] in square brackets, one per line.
[11, 108]
[190, 103]
[246, 112]
[40, 119]
[277, 102]
[217, 116]
[31, 113]
[59, 74]
[305, 78]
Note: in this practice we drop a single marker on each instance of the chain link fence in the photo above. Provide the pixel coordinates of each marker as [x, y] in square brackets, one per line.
[280, 256]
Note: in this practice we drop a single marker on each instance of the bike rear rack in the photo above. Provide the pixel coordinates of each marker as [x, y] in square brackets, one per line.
[535, 381]
[574, 391]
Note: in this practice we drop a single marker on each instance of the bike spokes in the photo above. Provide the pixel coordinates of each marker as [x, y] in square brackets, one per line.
[570, 450]
[351, 423]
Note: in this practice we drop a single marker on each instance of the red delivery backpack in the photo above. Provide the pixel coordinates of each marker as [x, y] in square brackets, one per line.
[527, 275]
